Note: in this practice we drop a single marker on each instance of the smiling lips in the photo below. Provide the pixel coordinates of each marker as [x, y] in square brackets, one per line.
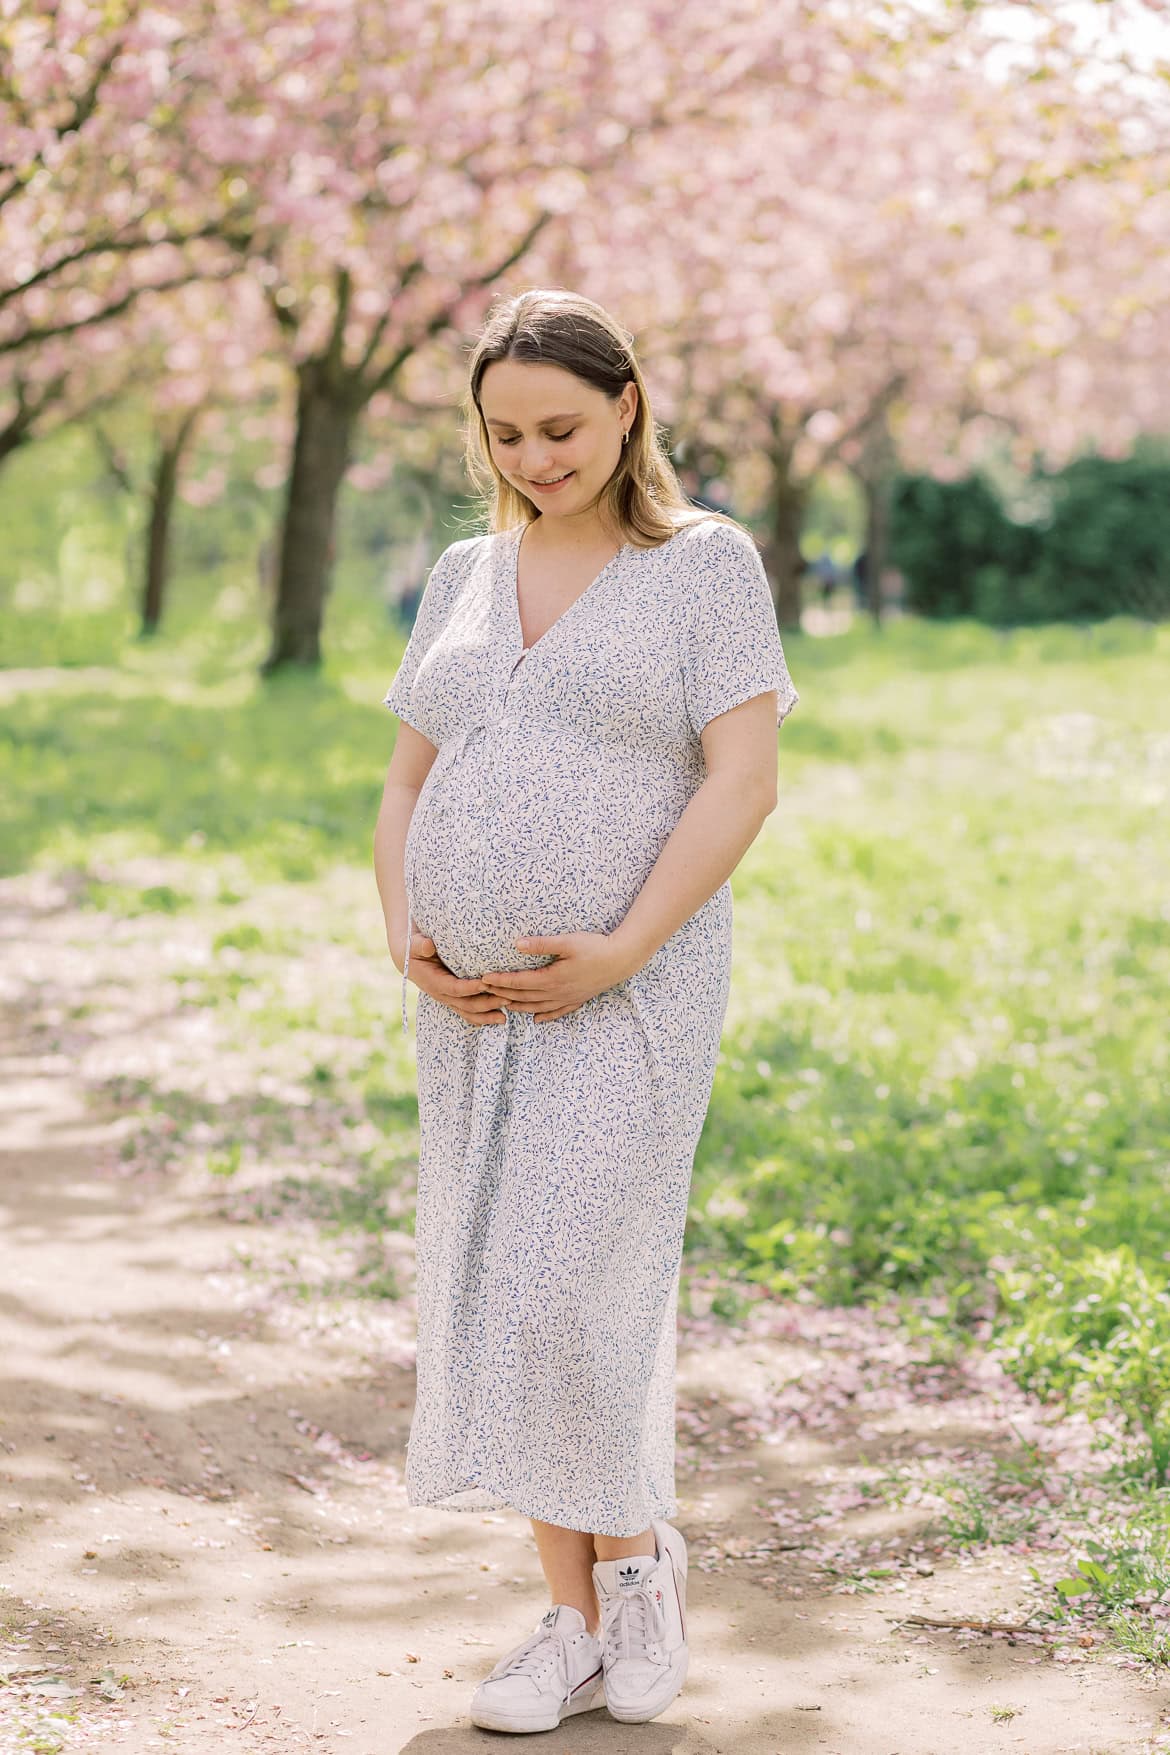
[554, 482]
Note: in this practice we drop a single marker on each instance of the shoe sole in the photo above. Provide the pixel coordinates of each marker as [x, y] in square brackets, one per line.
[642, 1714]
[486, 1720]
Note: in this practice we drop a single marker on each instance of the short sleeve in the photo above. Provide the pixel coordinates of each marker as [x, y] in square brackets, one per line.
[433, 610]
[733, 648]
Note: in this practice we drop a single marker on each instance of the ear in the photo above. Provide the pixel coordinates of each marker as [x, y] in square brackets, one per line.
[628, 402]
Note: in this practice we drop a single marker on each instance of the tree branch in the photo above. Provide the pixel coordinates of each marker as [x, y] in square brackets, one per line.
[442, 319]
[84, 106]
[115, 246]
[49, 331]
[114, 460]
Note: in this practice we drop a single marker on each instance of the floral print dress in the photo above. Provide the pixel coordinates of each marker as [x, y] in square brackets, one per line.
[555, 1158]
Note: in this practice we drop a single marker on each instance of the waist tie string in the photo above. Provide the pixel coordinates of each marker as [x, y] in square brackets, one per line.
[446, 759]
[631, 994]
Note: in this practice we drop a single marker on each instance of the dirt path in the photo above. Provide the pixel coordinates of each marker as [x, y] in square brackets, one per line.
[205, 1543]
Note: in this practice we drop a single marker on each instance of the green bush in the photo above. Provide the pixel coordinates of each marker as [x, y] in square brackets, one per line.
[1105, 548]
[1096, 1328]
[943, 533]
[1100, 549]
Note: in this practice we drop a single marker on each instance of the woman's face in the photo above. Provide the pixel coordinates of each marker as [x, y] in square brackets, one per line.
[555, 438]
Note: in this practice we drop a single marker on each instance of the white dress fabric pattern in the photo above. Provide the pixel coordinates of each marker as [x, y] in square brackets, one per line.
[555, 1158]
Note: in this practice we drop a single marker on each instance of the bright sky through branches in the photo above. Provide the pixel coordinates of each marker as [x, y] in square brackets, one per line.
[1108, 37]
[1102, 36]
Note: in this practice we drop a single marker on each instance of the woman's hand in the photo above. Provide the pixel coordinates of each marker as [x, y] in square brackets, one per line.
[470, 997]
[586, 963]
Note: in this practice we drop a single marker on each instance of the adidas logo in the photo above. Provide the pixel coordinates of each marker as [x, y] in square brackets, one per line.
[628, 1576]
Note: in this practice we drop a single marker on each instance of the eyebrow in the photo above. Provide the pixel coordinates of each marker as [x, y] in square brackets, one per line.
[552, 421]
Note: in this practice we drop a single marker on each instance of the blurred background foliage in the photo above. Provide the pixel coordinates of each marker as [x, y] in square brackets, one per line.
[1096, 542]
[1008, 548]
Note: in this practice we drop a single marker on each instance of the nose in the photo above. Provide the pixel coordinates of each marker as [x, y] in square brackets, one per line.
[537, 460]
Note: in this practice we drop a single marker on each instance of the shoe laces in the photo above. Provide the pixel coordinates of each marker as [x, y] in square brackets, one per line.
[541, 1651]
[633, 1625]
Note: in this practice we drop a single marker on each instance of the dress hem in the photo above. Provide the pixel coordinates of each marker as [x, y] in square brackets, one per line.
[492, 1500]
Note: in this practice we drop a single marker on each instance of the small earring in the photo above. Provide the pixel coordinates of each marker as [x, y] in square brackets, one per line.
[626, 436]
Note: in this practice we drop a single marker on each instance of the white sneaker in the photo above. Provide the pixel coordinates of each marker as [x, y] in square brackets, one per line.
[552, 1674]
[643, 1627]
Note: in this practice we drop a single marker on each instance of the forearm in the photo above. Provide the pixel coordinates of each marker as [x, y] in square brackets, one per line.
[703, 849]
[398, 802]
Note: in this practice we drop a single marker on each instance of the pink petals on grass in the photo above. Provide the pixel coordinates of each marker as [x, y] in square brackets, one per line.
[905, 1463]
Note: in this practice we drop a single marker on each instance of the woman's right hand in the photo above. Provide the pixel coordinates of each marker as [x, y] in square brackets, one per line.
[469, 997]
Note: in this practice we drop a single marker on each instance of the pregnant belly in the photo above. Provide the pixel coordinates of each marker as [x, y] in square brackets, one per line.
[481, 878]
[554, 840]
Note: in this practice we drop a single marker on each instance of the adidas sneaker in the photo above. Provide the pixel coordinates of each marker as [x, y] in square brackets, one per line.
[552, 1674]
[643, 1627]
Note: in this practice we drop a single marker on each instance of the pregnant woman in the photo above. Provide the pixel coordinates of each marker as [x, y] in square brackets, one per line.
[587, 746]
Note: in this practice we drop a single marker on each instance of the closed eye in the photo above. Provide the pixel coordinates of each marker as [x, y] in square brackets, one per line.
[556, 436]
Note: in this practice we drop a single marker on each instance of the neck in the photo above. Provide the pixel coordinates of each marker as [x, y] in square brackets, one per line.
[576, 530]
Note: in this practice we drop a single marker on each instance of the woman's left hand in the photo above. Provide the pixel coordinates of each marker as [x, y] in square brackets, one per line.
[586, 963]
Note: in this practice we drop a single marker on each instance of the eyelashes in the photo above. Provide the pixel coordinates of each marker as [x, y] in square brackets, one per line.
[555, 437]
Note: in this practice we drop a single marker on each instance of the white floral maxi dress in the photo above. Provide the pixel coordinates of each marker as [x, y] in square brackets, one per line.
[555, 1159]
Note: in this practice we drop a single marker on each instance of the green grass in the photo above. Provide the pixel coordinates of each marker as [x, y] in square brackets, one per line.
[945, 1066]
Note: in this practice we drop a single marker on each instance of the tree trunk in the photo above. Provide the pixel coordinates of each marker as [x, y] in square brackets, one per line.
[28, 410]
[164, 484]
[783, 561]
[327, 411]
[878, 464]
[11, 439]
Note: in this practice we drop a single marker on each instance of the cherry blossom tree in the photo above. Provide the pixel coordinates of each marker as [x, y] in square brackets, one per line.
[104, 194]
[443, 140]
[897, 259]
[835, 230]
[198, 353]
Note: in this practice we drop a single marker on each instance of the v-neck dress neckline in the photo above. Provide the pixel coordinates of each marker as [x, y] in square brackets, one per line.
[513, 594]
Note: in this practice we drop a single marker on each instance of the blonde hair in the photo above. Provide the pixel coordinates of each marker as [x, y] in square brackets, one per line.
[643, 498]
